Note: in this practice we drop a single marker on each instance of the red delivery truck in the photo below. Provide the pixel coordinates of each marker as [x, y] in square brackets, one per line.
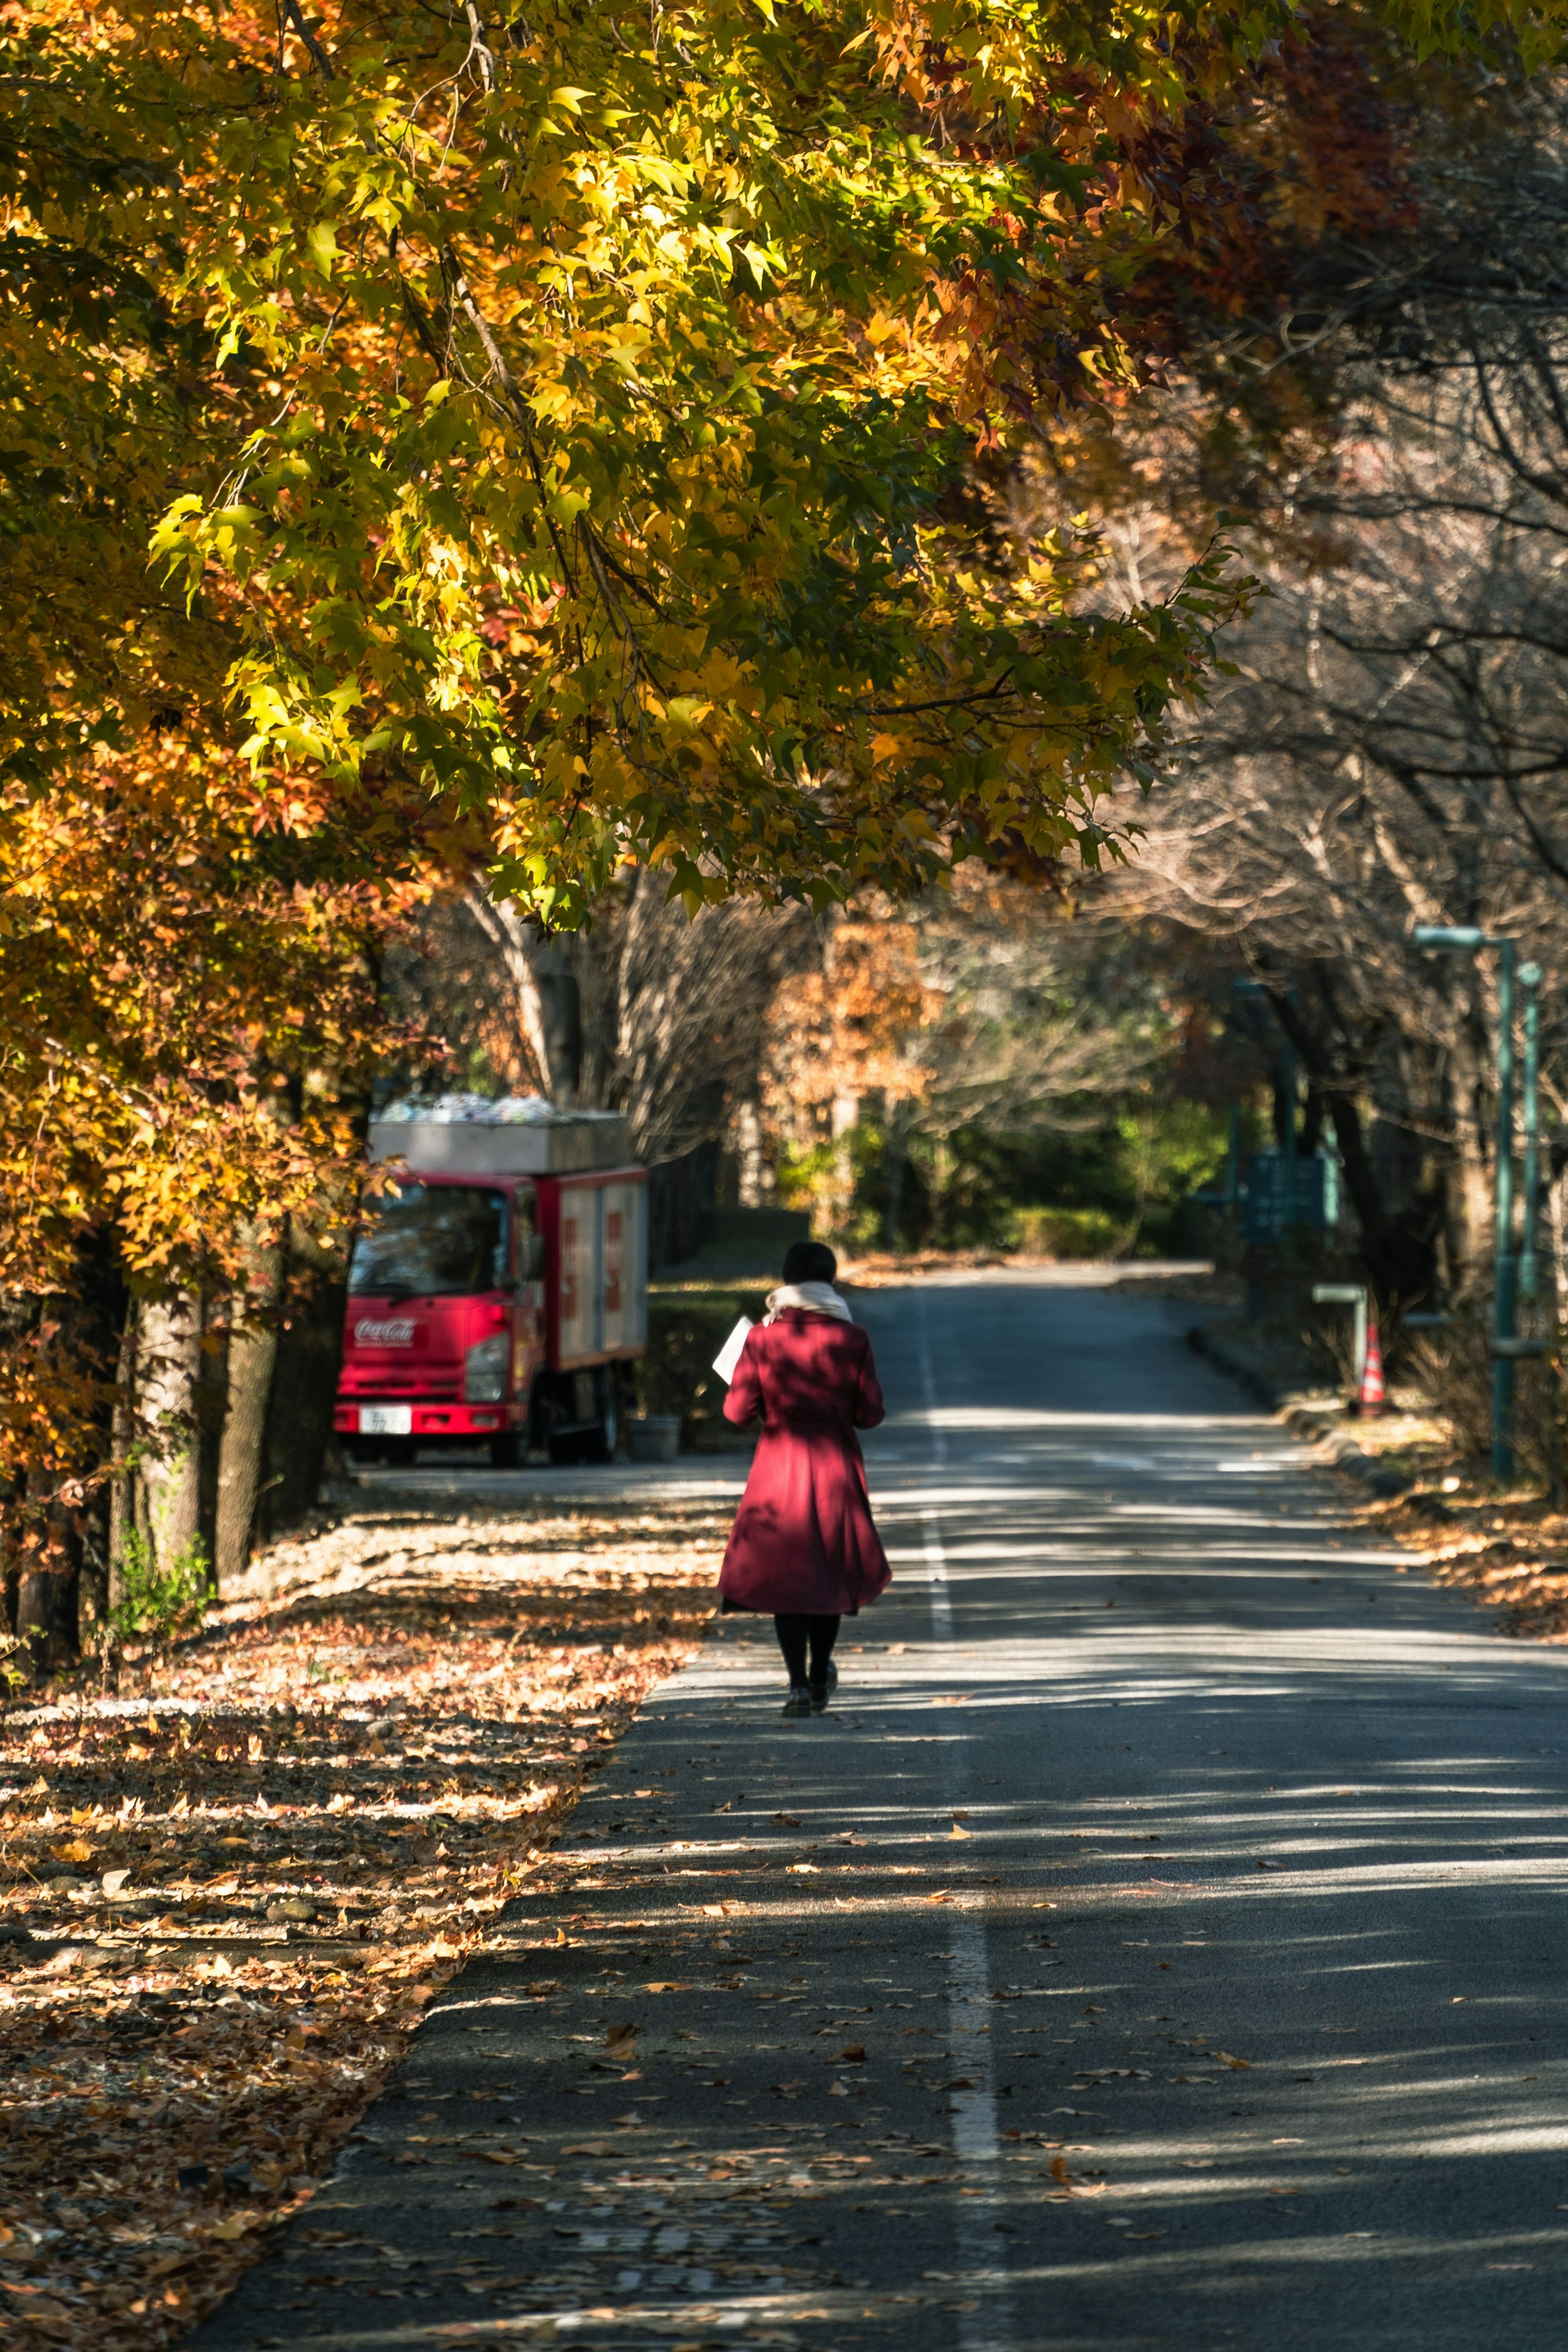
[497, 1288]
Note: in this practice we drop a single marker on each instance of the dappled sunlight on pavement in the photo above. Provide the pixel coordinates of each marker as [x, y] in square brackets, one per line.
[1158, 1943]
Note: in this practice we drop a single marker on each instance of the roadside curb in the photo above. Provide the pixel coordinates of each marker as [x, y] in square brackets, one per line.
[1301, 1421]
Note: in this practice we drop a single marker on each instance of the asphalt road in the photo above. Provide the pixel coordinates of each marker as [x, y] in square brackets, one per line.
[1161, 1943]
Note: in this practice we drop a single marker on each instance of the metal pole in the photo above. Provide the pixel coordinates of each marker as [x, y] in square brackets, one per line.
[1288, 1139]
[1506, 1277]
[1351, 1295]
[1530, 982]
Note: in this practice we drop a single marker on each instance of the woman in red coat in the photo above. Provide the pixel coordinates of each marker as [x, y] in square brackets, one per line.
[803, 1543]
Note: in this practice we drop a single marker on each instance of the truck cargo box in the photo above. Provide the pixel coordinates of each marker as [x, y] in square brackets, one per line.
[596, 1238]
[566, 1143]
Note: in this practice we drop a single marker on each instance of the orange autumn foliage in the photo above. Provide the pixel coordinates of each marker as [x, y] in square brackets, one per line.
[191, 1029]
[856, 1026]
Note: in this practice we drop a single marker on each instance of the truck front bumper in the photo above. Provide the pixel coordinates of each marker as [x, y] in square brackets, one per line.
[403, 1418]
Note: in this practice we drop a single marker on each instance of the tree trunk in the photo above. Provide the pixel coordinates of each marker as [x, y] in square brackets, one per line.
[38, 1618]
[752, 1171]
[549, 1002]
[303, 1391]
[46, 1592]
[897, 1161]
[123, 1524]
[252, 1363]
[1398, 1251]
[841, 1201]
[171, 1476]
[940, 1177]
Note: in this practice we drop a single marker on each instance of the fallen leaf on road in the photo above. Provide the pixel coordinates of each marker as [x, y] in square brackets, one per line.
[787, 1820]
[1237, 2065]
[620, 2039]
[855, 2055]
[958, 1830]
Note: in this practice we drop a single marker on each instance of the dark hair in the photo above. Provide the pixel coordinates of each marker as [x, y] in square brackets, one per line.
[809, 1262]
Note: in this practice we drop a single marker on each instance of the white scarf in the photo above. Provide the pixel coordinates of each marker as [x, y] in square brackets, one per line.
[815, 1297]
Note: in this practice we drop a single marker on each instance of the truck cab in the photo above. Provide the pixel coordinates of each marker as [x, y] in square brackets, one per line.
[496, 1289]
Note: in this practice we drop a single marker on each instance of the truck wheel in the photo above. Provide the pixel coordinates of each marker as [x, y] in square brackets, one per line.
[506, 1449]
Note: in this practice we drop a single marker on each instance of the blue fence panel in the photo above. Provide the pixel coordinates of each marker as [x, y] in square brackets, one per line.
[1317, 1202]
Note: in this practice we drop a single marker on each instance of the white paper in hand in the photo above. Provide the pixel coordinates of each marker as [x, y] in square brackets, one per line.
[728, 1355]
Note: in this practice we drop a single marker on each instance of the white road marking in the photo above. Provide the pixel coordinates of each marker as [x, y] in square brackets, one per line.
[992, 2328]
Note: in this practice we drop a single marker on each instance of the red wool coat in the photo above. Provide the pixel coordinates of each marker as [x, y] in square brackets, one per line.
[802, 1539]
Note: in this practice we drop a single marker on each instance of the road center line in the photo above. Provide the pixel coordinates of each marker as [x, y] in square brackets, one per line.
[969, 2008]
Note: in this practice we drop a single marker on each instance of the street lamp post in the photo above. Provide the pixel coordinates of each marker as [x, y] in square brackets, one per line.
[1530, 982]
[1466, 940]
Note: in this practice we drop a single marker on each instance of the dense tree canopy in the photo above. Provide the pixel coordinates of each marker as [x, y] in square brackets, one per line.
[564, 414]
[449, 446]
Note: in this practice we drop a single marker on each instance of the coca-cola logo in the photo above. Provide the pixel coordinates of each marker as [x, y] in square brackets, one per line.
[395, 1333]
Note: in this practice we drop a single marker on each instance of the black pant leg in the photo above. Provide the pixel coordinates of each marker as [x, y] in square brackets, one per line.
[824, 1634]
[791, 1633]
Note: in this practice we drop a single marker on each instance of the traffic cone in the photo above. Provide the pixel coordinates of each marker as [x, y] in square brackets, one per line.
[1370, 1394]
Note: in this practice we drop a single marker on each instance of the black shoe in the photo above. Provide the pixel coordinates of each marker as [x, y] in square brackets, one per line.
[823, 1687]
[799, 1699]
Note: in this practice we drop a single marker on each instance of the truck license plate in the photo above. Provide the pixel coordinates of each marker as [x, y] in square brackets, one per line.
[386, 1420]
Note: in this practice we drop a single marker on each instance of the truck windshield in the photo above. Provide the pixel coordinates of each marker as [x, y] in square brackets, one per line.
[431, 1241]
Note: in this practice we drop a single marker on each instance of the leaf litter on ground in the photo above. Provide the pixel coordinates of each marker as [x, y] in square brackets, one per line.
[1507, 1552]
[227, 1891]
